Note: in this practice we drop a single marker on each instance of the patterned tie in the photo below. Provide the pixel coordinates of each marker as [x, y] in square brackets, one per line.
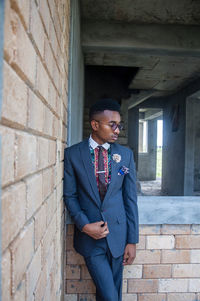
[101, 174]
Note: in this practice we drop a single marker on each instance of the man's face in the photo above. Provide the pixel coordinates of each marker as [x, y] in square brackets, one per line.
[103, 125]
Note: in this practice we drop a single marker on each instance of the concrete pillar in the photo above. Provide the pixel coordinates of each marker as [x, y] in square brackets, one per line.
[147, 161]
[133, 132]
[189, 148]
[141, 125]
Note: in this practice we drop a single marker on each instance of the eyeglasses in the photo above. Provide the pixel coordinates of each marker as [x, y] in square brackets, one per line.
[113, 125]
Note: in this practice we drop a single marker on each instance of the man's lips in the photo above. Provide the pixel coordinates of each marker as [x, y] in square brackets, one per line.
[115, 137]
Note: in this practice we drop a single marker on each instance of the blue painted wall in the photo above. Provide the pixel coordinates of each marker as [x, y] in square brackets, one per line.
[1, 93]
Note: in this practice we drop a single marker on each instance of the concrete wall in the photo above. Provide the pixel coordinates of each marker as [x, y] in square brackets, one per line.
[173, 146]
[33, 129]
[76, 78]
[147, 161]
[197, 145]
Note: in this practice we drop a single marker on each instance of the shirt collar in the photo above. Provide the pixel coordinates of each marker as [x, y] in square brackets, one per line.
[94, 144]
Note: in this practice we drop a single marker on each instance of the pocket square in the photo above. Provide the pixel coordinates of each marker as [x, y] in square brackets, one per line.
[123, 171]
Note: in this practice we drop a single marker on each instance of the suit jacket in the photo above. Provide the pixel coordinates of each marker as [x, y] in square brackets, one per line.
[81, 196]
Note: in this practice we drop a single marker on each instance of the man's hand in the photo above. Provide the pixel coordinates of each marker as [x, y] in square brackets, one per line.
[129, 254]
[96, 230]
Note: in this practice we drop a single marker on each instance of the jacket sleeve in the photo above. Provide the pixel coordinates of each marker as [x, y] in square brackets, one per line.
[70, 193]
[130, 203]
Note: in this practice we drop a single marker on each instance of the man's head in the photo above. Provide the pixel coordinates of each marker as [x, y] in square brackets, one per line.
[105, 121]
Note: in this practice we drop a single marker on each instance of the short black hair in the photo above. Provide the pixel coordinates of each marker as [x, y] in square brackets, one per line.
[102, 105]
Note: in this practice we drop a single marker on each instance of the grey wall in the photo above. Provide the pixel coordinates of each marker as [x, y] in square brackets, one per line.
[192, 147]
[173, 147]
[147, 161]
[133, 132]
[76, 78]
[1, 94]
[197, 145]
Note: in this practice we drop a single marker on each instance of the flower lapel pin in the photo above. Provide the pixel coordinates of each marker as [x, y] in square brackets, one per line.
[116, 158]
[123, 171]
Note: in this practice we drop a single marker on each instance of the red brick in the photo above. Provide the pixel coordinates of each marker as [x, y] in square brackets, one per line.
[142, 242]
[69, 242]
[70, 229]
[142, 286]
[157, 271]
[20, 293]
[36, 28]
[35, 112]
[48, 182]
[160, 242]
[23, 8]
[188, 241]
[52, 95]
[175, 256]
[84, 272]
[175, 229]
[8, 155]
[48, 238]
[152, 297]
[40, 224]
[48, 122]
[181, 297]
[26, 151]
[41, 284]
[13, 212]
[80, 286]
[74, 258]
[33, 274]
[173, 285]
[6, 276]
[18, 48]
[43, 153]
[147, 256]
[51, 207]
[34, 193]
[73, 272]
[149, 229]
[14, 106]
[129, 297]
[186, 270]
[42, 80]
[22, 251]
[52, 152]
[45, 14]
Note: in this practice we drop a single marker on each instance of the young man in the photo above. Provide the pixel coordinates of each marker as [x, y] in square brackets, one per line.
[100, 194]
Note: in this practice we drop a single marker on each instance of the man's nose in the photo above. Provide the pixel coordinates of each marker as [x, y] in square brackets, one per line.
[117, 131]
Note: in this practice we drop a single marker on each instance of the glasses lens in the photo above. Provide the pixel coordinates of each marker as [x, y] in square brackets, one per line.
[115, 125]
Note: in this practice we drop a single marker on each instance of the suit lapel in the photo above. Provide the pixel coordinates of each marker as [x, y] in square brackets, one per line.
[87, 162]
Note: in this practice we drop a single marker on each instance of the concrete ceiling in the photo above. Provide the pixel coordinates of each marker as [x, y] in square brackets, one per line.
[161, 38]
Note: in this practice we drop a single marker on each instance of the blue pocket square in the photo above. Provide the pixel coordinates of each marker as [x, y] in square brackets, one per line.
[123, 171]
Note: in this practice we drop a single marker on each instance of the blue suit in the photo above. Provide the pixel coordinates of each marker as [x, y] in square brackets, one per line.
[119, 207]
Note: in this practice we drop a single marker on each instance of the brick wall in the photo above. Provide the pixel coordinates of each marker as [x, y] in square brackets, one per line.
[33, 130]
[167, 267]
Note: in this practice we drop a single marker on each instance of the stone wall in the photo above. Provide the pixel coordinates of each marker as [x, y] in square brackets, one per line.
[33, 129]
[166, 268]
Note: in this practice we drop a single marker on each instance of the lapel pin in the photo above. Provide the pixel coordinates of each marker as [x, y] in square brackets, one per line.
[116, 158]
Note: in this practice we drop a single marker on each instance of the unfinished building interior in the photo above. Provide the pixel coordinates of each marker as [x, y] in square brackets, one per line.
[148, 58]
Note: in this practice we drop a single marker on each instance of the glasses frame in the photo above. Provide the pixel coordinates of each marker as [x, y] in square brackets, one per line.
[113, 126]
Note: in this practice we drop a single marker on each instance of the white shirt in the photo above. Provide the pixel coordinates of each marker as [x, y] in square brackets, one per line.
[94, 144]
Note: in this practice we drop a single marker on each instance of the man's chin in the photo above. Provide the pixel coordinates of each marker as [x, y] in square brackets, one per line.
[112, 141]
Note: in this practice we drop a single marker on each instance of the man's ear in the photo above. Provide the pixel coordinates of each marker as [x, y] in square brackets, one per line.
[94, 125]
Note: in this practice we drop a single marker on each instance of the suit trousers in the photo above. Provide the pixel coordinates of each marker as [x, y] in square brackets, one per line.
[106, 272]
